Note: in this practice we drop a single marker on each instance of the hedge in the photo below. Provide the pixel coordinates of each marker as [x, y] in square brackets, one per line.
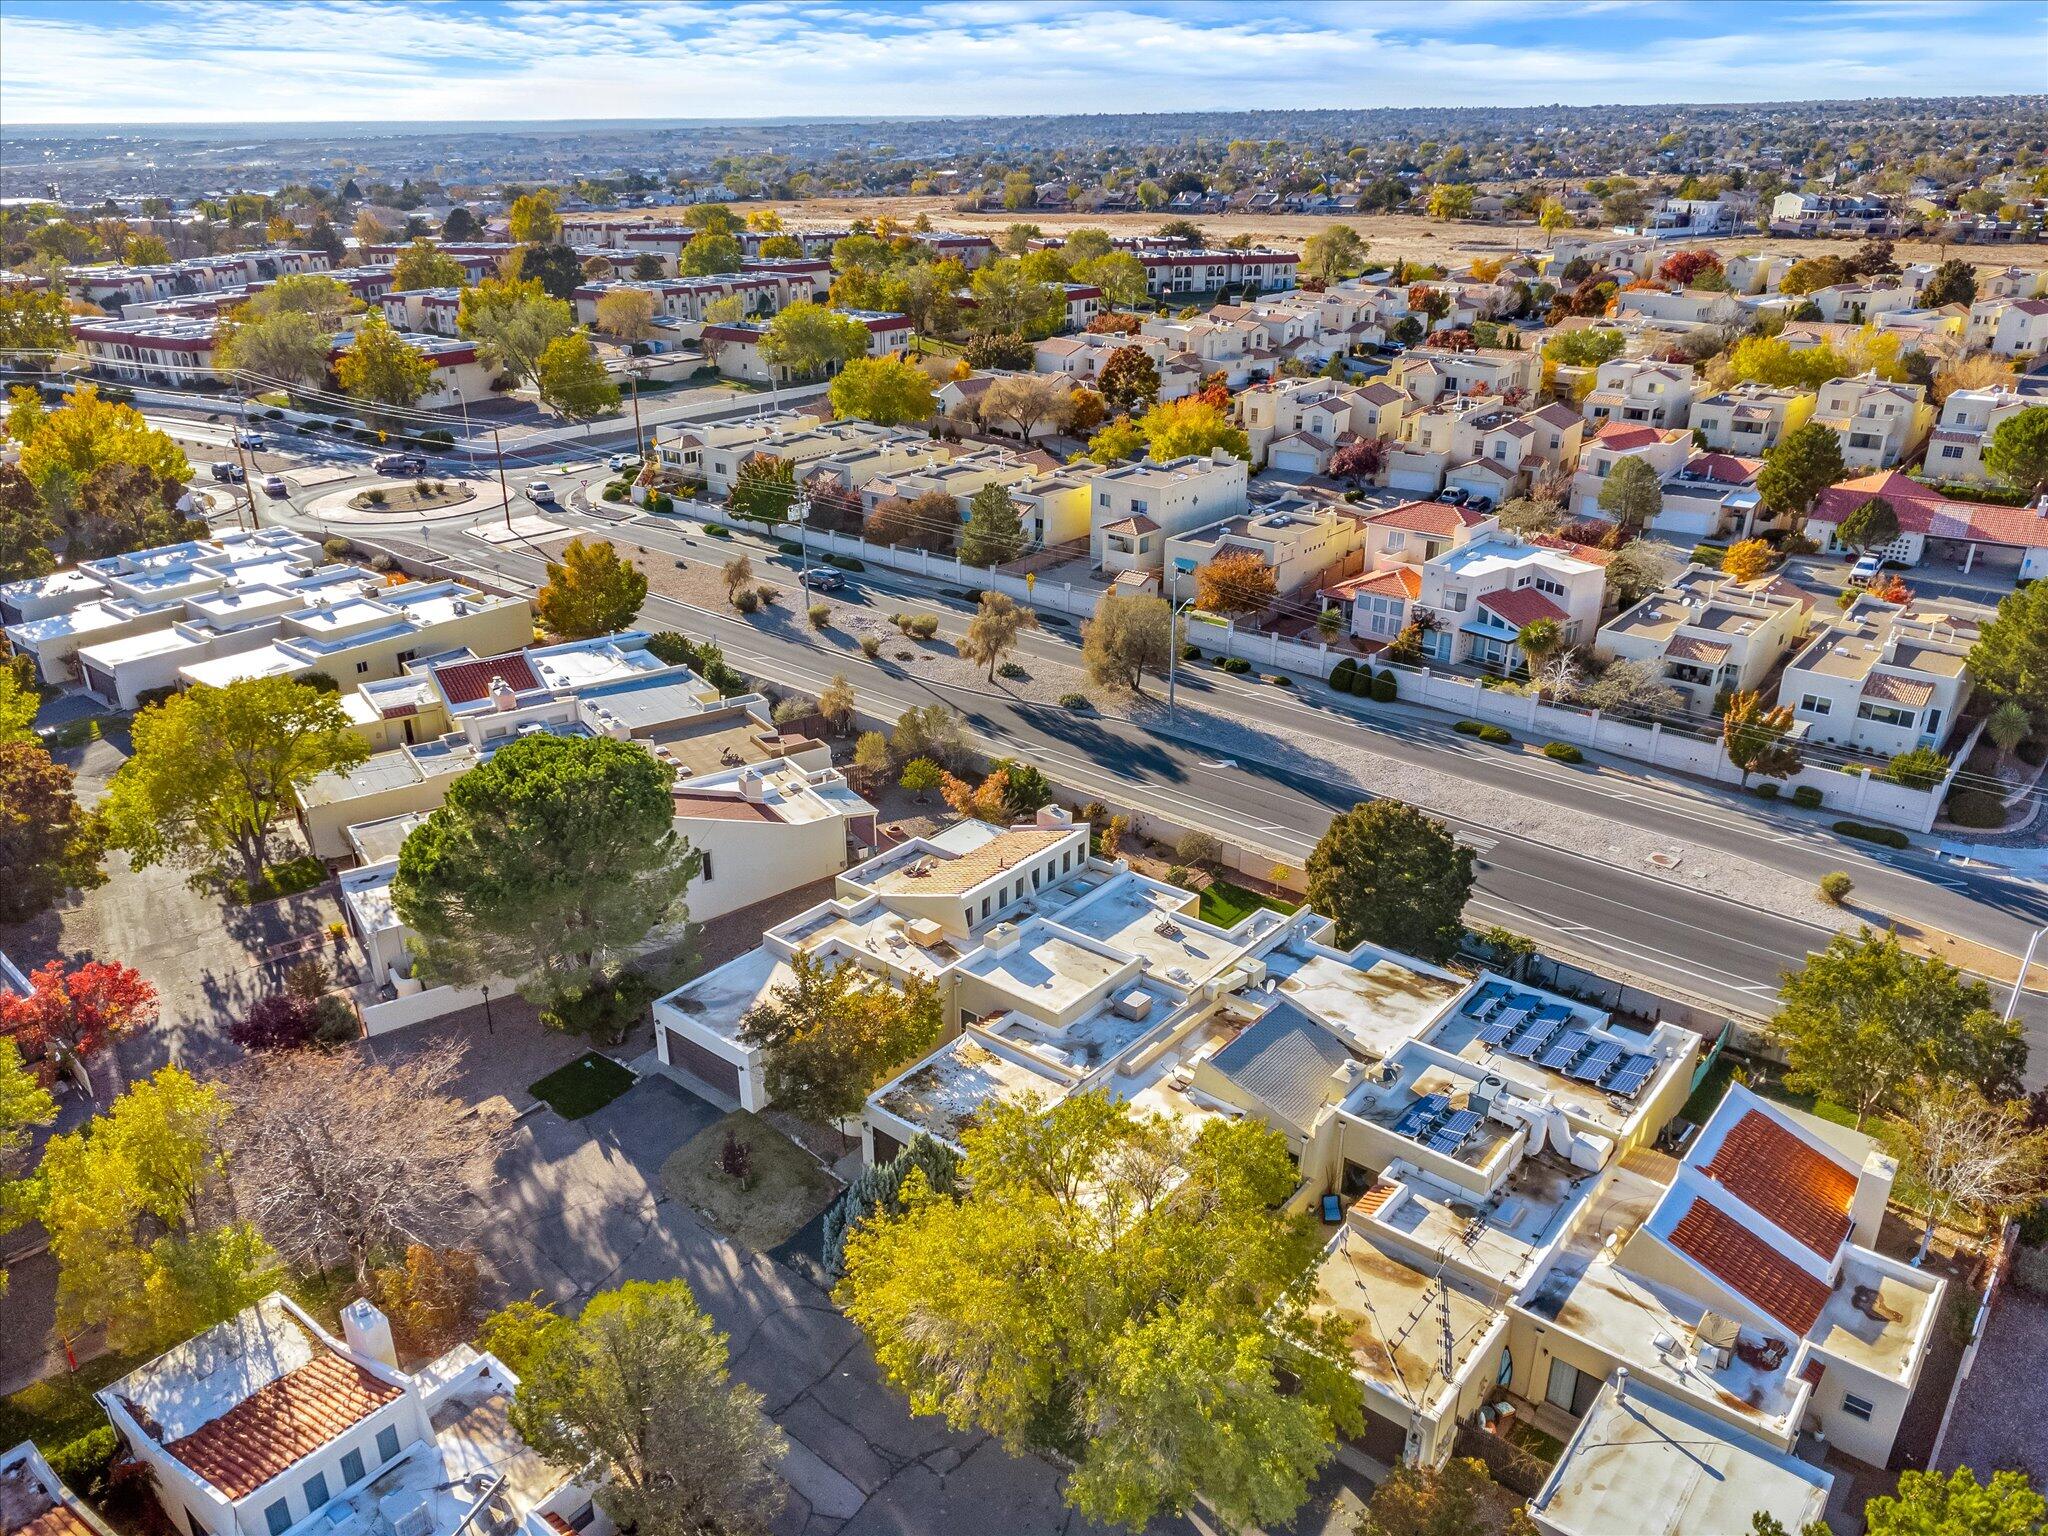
[1563, 752]
[1890, 837]
[845, 563]
[1386, 688]
[1495, 734]
[1342, 673]
[1468, 727]
[1236, 666]
[1767, 790]
[1976, 808]
[1807, 797]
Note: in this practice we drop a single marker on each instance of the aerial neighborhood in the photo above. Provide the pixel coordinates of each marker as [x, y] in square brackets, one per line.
[1269, 821]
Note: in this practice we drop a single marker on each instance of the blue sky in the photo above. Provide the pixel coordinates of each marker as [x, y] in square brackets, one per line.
[292, 60]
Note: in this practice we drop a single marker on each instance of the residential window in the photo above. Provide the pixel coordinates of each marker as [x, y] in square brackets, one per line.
[387, 1443]
[1396, 540]
[1814, 704]
[362, 666]
[704, 869]
[1884, 714]
[352, 1468]
[1857, 1407]
[985, 906]
[316, 1491]
[278, 1517]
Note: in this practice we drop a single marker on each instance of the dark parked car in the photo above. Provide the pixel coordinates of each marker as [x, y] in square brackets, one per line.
[224, 469]
[401, 464]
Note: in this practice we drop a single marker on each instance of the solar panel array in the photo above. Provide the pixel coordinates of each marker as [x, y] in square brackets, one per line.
[1451, 1131]
[1629, 1074]
[1431, 1121]
[1596, 1062]
[1564, 1050]
[1422, 1112]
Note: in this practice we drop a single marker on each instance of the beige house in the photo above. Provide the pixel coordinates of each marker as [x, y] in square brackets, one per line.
[2009, 327]
[1482, 594]
[713, 451]
[1436, 437]
[1749, 419]
[1879, 423]
[1137, 507]
[1664, 449]
[1639, 394]
[1881, 679]
[1298, 544]
[1298, 424]
[1419, 531]
[1427, 374]
[1969, 417]
[1708, 634]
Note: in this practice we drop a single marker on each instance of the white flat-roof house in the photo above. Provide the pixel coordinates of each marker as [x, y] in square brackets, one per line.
[2009, 327]
[1708, 633]
[1881, 678]
[1138, 506]
[1969, 417]
[268, 1425]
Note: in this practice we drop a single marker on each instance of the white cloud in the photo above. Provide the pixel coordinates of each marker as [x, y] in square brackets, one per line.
[228, 60]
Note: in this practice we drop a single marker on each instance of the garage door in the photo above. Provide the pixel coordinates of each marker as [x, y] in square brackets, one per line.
[887, 1148]
[693, 1058]
[1296, 461]
[1411, 480]
[1382, 1439]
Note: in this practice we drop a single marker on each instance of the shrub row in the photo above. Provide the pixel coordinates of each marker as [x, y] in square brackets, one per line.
[1361, 682]
[1484, 731]
[1563, 752]
[1889, 837]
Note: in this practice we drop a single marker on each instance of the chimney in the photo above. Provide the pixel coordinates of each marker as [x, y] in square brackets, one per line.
[754, 786]
[1054, 816]
[502, 696]
[1873, 1190]
[367, 1331]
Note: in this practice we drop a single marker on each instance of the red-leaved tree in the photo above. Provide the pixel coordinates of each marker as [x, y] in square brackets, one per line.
[77, 1011]
[1682, 267]
[1359, 459]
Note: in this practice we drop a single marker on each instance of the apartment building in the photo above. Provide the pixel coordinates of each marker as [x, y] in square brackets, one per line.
[2016, 328]
[1480, 596]
[268, 1425]
[1880, 423]
[682, 302]
[1297, 425]
[1748, 419]
[713, 451]
[1880, 678]
[1686, 309]
[1969, 417]
[113, 287]
[1664, 449]
[433, 311]
[1299, 544]
[1709, 635]
[737, 344]
[1138, 506]
[855, 451]
[1427, 374]
[1639, 394]
[1170, 273]
[172, 350]
[1938, 529]
[1053, 506]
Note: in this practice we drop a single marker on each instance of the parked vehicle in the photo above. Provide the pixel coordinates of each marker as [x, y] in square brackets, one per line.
[247, 439]
[540, 491]
[1865, 571]
[228, 471]
[1479, 501]
[273, 485]
[1453, 495]
[401, 464]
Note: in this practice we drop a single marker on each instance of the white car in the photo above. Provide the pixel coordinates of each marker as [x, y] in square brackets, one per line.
[1865, 571]
[539, 491]
[618, 461]
[247, 439]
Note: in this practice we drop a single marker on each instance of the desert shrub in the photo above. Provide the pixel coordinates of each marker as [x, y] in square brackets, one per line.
[1468, 727]
[747, 599]
[1236, 666]
[337, 549]
[1077, 702]
[1834, 887]
[1191, 653]
[820, 615]
[1278, 680]
[870, 646]
[1011, 670]
[923, 626]
[1563, 752]
[1495, 734]
[1978, 808]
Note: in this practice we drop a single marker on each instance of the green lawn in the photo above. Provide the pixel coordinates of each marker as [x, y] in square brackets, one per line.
[286, 879]
[1225, 904]
[55, 1412]
[1763, 1079]
[582, 1087]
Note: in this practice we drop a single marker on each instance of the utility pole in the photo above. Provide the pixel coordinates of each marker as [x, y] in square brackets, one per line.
[242, 458]
[639, 437]
[1173, 648]
[502, 489]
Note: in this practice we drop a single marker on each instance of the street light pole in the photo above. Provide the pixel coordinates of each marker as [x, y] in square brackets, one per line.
[1173, 648]
[242, 458]
[502, 490]
[2012, 1003]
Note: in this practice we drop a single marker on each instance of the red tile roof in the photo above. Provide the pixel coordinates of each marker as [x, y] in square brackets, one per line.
[1522, 605]
[1728, 468]
[1437, 517]
[1801, 1190]
[1592, 554]
[281, 1423]
[1924, 510]
[1749, 1266]
[1622, 436]
[464, 682]
[1394, 581]
[721, 808]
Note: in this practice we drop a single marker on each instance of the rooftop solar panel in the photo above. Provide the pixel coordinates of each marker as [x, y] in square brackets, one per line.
[1597, 1062]
[1554, 1013]
[1450, 1135]
[1564, 1050]
[1421, 1113]
[1494, 1033]
[1630, 1074]
[1533, 1040]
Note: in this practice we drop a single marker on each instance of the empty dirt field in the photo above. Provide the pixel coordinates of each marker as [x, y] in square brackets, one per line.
[1406, 237]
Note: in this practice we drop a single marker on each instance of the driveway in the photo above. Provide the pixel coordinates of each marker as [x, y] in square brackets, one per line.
[580, 1208]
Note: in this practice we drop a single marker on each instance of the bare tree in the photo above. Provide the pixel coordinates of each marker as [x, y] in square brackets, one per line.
[337, 1156]
[1026, 399]
[1972, 1155]
[1631, 688]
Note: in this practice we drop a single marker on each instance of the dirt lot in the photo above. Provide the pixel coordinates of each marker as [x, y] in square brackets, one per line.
[1406, 236]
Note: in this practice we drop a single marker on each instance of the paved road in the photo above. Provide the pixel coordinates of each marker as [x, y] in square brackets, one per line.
[1574, 899]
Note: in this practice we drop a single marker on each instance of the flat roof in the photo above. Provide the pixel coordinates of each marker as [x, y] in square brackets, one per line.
[1145, 918]
[1375, 1001]
[943, 1093]
[1642, 1463]
[719, 999]
[1392, 1314]
[1045, 969]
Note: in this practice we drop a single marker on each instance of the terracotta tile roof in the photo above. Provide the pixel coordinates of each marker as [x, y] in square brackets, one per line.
[1522, 605]
[281, 1423]
[464, 682]
[1729, 468]
[1556, 415]
[1621, 436]
[1592, 554]
[1893, 689]
[1749, 1266]
[1437, 517]
[1802, 1191]
[1924, 510]
[1370, 1202]
[1813, 1370]
[1395, 581]
[61, 1520]
[27, 1509]
[1692, 648]
[1131, 525]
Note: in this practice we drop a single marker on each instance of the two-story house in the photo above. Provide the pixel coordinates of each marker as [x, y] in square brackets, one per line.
[1879, 423]
[1297, 543]
[1139, 506]
[1297, 425]
[1664, 449]
[2009, 327]
[1969, 417]
[1480, 597]
[1708, 634]
[1427, 374]
[1639, 393]
[1749, 419]
[1881, 678]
